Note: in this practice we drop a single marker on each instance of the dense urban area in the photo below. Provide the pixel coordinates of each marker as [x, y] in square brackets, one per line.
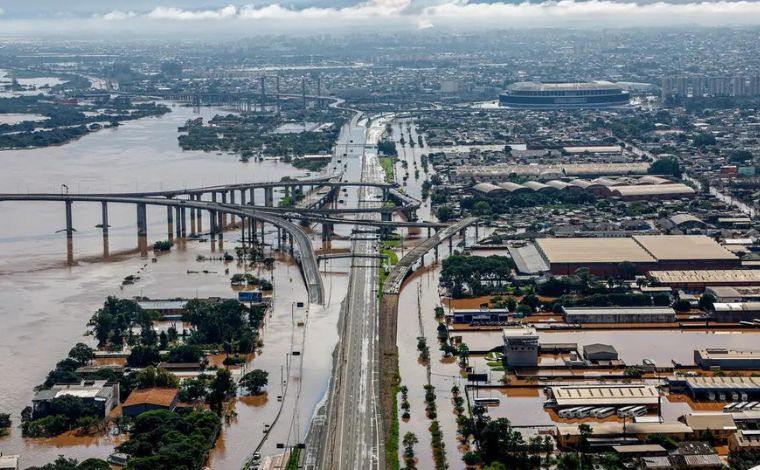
[514, 249]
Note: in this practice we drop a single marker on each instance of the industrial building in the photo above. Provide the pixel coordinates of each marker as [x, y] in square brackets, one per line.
[579, 95]
[98, 394]
[735, 311]
[727, 359]
[583, 315]
[504, 172]
[569, 434]
[700, 279]
[603, 256]
[600, 352]
[718, 388]
[520, 346]
[734, 293]
[479, 316]
[625, 189]
[604, 395]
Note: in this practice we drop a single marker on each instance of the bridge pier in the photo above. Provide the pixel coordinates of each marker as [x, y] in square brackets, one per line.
[220, 227]
[212, 229]
[279, 238]
[477, 236]
[327, 231]
[242, 231]
[192, 217]
[252, 199]
[223, 215]
[269, 197]
[170, 222]
[290, 242]
[142, 229]
[69, 235]
[183, 222]
[178, 224]
[451, 245]
[199, 216]
[104, 226]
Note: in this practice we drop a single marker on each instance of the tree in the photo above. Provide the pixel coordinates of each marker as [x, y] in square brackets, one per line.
[82, 353]
[255, 380]
[143, 356]
[568, 461]
[681, 305]
[410, 439]
[471, 457]
[194, 389]
[186, 353]
[222, 388]
[156, 377]
[464, 354]
[62, 463]
[444, 213]
[739, 156]
[511, 304]
[706, 302]
[666, 166]
[704, 139]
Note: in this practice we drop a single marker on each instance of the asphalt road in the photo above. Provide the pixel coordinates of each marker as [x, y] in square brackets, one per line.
[352, 436]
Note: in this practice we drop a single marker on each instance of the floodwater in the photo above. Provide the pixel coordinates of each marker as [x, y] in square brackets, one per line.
[524, 407]
[15, 118]
[45, 304]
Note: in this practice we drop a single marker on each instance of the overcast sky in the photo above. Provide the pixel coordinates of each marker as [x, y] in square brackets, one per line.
[36, 18]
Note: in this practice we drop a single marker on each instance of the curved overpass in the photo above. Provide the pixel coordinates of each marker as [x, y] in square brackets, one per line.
[308, 259]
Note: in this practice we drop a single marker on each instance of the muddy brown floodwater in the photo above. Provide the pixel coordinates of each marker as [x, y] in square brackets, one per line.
[45, 304]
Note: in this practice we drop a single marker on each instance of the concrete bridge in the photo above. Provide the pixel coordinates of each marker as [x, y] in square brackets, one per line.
[249, 218]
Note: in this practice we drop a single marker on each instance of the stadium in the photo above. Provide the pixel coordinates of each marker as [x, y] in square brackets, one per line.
[536, 95]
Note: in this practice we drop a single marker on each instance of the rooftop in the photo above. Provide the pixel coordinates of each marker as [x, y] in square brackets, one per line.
[728, 354]
[736, 306]
[683, 247]
[614, 428]
[152, 396]
[593, 250]
[723, 276]
[619, 310]
[569, 86]
[711, 383]
[579, 395]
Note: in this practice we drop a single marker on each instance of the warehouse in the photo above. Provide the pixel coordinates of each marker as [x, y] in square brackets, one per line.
[603, 256]
[569, 434]
[727, 359]
[735, 311]
[653, 191]
[687, 252]
[734, 293]
[479, 316]
[583, 315]
[604, 395]
[718, 388]
[700, 279]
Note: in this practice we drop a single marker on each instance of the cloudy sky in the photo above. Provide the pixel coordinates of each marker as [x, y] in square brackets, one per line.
[44, 17]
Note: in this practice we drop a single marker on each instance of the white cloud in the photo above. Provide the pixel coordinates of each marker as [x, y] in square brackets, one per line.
[165, 13]
[404, 14]
[117, 15]
[461, 12]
